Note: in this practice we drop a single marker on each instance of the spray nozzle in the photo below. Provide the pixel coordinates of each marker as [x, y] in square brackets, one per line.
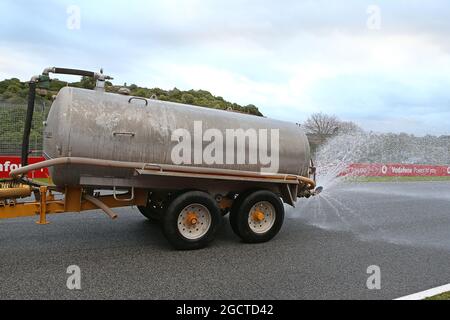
[318, 190]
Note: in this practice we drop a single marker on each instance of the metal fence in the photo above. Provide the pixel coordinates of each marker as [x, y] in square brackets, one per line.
[12, 121]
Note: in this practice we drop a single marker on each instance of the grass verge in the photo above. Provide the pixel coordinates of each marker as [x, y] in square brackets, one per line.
[37, 180]
[442, 296]
[44, 180]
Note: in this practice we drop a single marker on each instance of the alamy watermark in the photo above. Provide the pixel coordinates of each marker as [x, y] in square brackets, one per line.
[74, 280]
[259, 147]
[374, 280]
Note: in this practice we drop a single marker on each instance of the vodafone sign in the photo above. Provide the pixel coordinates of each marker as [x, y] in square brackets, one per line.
[395, 170]
[9, 163]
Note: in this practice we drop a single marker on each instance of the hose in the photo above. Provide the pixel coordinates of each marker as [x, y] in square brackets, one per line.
[28, 122]
[159, 167]
[101, 205]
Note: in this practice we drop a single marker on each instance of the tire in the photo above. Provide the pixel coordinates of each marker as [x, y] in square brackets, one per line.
[235, 207]
[204, 220]
[267, 212]
[151, 214]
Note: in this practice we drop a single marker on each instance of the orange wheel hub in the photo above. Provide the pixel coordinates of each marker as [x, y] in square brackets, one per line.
[192, 218]
[258, 216]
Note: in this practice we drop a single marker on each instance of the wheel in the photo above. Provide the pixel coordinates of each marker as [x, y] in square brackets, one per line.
[257, 217]
[150, 213]
[191, 220]
[235, 207]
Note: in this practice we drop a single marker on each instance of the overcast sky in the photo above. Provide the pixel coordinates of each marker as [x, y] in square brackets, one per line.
[382, 64]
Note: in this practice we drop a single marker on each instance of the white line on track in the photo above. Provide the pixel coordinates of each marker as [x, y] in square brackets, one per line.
[427, 293]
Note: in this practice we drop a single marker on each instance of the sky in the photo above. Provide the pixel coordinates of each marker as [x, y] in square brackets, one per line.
[382, 64]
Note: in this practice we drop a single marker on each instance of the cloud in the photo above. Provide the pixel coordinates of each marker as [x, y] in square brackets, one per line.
[290, 60]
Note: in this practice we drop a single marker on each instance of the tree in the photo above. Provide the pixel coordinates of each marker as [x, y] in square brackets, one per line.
[325, 125]
[87, 83]
[13, 90]
[347, 127]
[321, 124]
[187, 98]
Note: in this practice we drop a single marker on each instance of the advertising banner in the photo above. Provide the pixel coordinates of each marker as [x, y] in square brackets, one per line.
[9, 163]
[395, 170]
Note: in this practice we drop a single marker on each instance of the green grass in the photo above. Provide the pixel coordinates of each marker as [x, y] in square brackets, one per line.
[37, 180]
[396, 179]
[46, 180]
[442, 296]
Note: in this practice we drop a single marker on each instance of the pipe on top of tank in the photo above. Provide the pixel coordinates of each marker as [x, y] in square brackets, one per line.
[73, 72]
[77, 72]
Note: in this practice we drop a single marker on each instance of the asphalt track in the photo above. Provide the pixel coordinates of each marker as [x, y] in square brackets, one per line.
[322, 252]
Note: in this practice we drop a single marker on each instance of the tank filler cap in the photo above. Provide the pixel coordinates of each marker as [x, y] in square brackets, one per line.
[124, 91]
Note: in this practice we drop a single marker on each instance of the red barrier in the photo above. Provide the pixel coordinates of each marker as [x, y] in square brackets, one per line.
[9, 163]
[395, 170]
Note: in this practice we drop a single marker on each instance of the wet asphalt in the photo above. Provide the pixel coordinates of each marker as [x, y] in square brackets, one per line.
[322, 252]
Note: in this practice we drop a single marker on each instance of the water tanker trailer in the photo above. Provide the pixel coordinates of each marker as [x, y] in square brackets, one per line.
[183, 166]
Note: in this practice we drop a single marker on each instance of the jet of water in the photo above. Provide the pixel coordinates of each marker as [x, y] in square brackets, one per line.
[333, 208]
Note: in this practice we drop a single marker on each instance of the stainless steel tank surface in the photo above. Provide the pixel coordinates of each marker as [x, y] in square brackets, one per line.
[95, 124]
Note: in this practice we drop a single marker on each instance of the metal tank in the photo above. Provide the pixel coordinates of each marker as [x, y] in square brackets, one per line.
[100, 125]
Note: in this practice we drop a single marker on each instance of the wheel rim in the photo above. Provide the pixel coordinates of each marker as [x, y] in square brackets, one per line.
[194, 221]
[261, 217]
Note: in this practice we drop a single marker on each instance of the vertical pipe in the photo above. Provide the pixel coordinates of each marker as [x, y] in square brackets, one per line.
[28, 123]
[42, 206]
